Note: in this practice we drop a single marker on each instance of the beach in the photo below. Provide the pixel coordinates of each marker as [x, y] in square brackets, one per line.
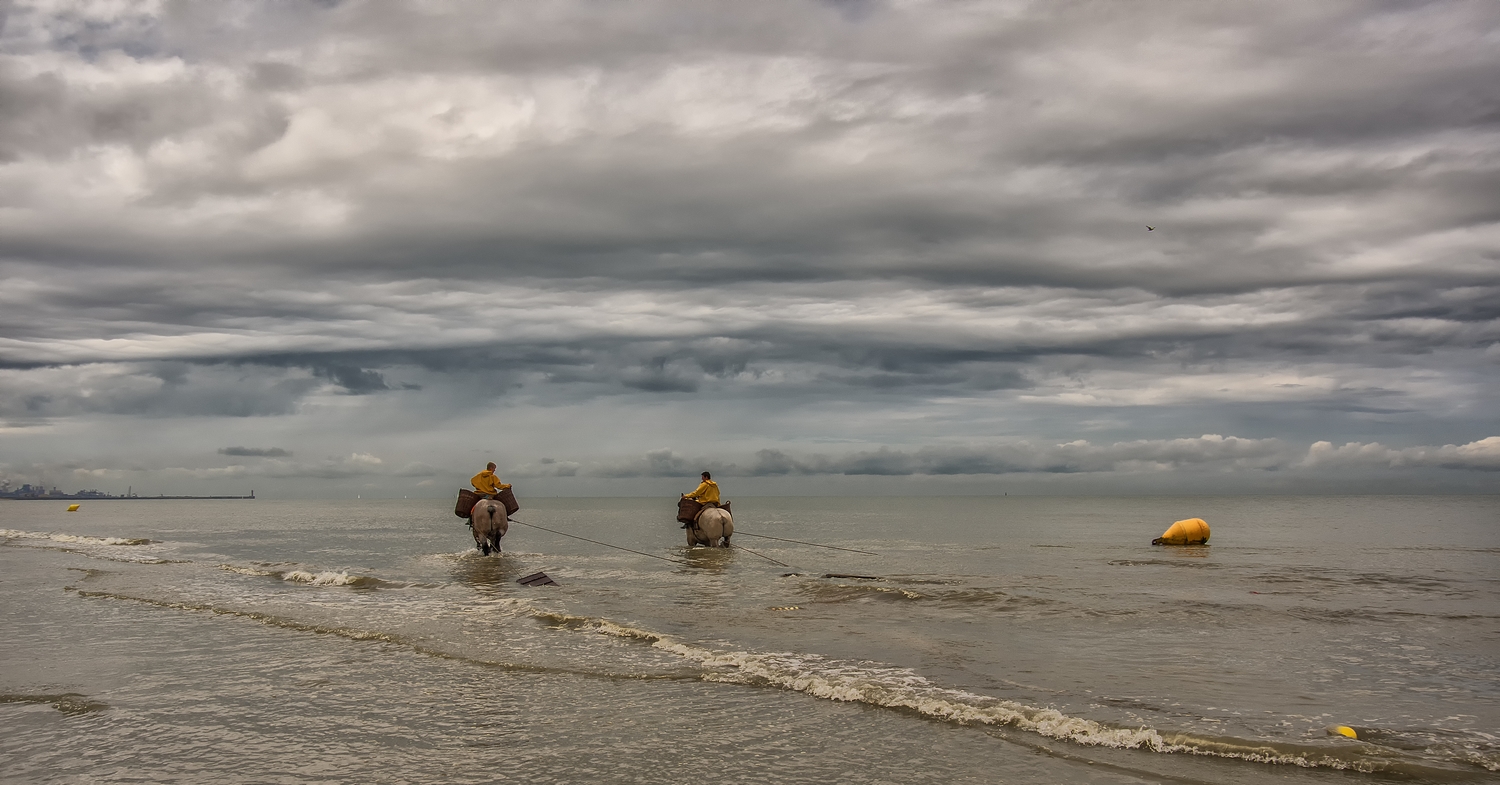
[982, 639]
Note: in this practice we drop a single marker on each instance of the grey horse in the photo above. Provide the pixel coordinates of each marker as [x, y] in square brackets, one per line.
[489, 523]
[713, 528]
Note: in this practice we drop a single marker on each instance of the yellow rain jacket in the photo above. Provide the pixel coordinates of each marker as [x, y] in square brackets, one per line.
[487, 482]
[706, 492]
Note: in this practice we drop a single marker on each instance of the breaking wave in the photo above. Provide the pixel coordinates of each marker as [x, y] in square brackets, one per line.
[73, 539]
[134, 550]
[322, 578]
[902, 689]
[68, 702]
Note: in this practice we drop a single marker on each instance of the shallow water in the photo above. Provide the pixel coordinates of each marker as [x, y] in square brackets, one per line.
[1013, 639]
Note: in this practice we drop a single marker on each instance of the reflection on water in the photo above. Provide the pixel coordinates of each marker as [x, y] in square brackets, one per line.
[489, 574]
[713, 560]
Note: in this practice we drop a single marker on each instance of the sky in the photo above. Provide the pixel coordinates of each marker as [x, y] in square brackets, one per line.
[327, 249]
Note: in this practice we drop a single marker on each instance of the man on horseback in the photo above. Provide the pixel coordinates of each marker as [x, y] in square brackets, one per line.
[487, 483]
[706, 494]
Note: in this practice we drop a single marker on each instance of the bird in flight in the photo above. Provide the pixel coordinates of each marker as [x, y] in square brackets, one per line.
[1151, 228]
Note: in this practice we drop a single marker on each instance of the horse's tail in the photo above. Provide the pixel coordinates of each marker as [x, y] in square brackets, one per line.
[499, 522]
[485, 524]
[725, 521]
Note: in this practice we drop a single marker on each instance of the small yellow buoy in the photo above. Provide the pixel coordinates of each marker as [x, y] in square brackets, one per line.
[72, 508]
[1193, 531]
[1342, 730]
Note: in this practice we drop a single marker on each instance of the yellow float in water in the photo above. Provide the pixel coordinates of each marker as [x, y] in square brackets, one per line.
[72, 508]
[1193, 531]
[1342, 730]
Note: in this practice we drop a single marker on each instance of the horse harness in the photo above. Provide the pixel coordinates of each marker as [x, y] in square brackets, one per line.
[706, 506]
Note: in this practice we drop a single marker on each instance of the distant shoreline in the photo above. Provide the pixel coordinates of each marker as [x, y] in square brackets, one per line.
[67, 497]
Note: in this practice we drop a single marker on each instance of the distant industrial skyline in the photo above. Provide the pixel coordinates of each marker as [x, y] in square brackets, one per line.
[328, 249]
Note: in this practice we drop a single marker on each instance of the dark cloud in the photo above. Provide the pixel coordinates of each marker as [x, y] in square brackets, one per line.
[544, 467]
[357, 381]
[656, 463]
[152, 389]
[255, 452]
[1210, 453]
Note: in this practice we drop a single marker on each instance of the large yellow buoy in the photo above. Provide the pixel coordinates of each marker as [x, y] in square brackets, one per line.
[72, 508]
[1193, 531]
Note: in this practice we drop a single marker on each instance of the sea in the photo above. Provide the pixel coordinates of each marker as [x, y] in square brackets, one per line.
[1010, 639]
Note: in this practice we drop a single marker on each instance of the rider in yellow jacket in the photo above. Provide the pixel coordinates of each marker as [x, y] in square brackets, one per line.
[706, 494]
[487, 483]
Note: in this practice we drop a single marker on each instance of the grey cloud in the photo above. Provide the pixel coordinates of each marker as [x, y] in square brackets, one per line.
[416, 469]
[157, 389]
[656, 377]
[743, 207]
[255, 452]
[1481, 455]
[1074, 457]
[357, 381]
[1207, 453]
[970, 351]
[544, 467]
[783, 209]
[655, 463]
[332, 468]
[339, 467]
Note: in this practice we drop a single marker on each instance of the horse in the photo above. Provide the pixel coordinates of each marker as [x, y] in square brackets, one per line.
[713, 527]
[489, 523]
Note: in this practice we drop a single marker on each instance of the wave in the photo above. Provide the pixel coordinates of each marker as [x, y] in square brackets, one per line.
[939, 593]
[74, 539]
[885, 686]
[1324, 579]
[67, 702]
[903, 689]
[322, 578]
[418, 645]
[1164, 563]
[133, 550]
[473, 555]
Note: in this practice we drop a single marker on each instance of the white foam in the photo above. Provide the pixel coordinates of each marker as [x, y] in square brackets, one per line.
[902, 688]
[73, 539]
[246, 571]
[326, 578]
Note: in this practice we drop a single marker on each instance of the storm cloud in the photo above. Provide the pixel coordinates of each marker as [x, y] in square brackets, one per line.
[796, 238]
[255, 452]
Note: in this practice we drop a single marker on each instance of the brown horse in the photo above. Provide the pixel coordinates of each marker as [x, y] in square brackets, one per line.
[489, 523]
[713, 527]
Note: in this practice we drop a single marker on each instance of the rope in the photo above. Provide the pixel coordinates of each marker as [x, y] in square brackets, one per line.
[642, 553]
[605, 544]
[799, 542]
[762, 555]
